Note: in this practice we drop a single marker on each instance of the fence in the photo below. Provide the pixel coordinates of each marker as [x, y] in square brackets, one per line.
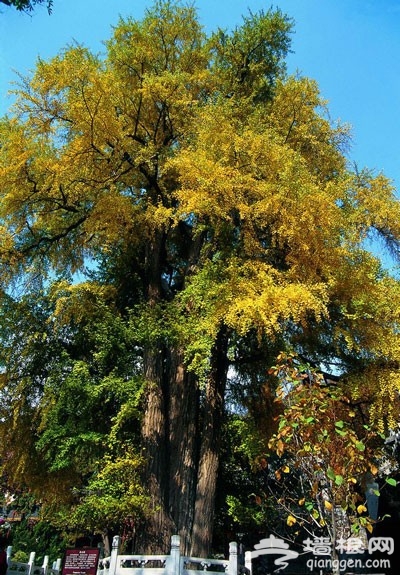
[30, 568]
[116, 564]
[172, 564]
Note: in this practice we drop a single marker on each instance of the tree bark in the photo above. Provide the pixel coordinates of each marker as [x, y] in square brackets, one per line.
[183, 437]
[182, 450]
[155, 538]
[170, 435]
[181, 429]
[210, 448]
[156, 535]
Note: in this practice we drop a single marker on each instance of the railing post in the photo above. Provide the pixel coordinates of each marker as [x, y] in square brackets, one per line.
[247, 562]
[45, 566]
[173, 563]
[57, 565]
[9, 552]
[233, 558]
[114, 556]
[31, 562]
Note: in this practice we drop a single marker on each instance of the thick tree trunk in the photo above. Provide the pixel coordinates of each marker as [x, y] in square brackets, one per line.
[156, 535]
[210, 448]
[181, 429]
[183, 437]
[182, 450]
[155, 538]
[170, 432]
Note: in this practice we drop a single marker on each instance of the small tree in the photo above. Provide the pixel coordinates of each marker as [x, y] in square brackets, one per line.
[328, 452]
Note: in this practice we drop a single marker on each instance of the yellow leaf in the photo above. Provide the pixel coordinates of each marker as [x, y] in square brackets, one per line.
[291, 520]
[328, 505]
[280, 447]
[361, 509]
[369, 528]
[286, 469]
[302, 501]
[374, 470]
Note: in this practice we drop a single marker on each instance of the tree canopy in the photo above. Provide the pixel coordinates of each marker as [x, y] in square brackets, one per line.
[174, 214]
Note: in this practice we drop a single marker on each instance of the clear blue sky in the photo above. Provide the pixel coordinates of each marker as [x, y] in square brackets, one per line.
[351, 47]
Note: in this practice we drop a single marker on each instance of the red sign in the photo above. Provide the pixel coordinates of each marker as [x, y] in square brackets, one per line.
[81, 562]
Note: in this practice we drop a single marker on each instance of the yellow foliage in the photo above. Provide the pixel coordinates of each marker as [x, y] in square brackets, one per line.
[78, 302]
[379, 386]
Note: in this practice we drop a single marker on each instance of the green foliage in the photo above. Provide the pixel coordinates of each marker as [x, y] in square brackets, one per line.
[30, 533]
[21, 556]
[249, 60]
[41, 537]
[87, 376]
[242, 505]
[112, 494]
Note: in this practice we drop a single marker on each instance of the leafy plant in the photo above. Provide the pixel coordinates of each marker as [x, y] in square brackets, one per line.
[324, 444]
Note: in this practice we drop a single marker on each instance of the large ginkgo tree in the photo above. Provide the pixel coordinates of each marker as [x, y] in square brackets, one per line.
[172, 214]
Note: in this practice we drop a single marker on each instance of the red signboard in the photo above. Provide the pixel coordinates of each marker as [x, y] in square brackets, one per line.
[81, 562]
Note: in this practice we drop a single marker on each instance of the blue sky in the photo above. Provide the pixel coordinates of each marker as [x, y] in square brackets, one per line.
[350, 47]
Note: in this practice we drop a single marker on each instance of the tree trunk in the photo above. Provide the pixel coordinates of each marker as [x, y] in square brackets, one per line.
[181, 429]
[183, 437]
[155, 538]
[156, 535]
[210, 449]
[182, 450]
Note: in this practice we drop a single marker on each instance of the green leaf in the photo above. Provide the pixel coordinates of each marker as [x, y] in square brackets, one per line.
[391, 481]
[360, 445]
[315, 514]
[331, 474]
